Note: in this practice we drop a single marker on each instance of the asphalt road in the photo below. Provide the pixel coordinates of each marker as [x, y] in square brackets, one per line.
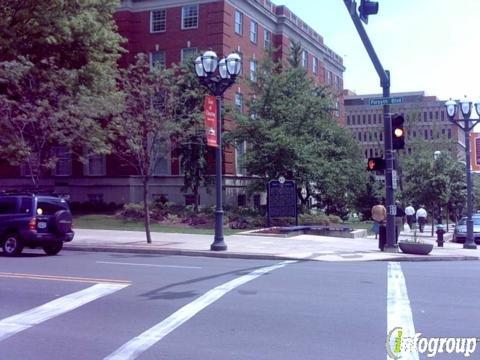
[81, 305]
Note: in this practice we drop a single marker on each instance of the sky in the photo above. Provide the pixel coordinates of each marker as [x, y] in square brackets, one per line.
[428, 45]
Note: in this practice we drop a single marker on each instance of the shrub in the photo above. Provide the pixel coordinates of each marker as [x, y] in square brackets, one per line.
[131, 211]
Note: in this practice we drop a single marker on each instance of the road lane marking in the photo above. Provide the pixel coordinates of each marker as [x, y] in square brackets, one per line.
[148, 265]
[61, 278]
[133, 348]
[16, 323]
[399, 312]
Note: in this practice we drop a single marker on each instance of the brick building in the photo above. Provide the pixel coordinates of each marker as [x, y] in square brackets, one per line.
[170, 31]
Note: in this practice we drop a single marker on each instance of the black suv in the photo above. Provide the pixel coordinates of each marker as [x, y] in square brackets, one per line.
[33, 220]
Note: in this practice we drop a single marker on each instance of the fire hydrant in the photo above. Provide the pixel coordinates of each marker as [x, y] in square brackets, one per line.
[440, 232]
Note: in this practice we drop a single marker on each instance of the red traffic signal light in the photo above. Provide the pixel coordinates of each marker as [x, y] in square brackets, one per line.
[366, 8]
[398, 132]
[375, 164]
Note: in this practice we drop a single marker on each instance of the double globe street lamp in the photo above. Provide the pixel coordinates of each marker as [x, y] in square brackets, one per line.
[466, 109]
[229, 68]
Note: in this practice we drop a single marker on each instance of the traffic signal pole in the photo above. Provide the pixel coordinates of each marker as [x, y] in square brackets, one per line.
[384, 76]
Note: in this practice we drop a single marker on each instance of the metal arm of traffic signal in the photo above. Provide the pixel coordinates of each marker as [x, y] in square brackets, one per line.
[384, 76]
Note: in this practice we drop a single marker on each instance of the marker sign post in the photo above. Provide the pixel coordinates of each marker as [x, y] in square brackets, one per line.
[281, 199]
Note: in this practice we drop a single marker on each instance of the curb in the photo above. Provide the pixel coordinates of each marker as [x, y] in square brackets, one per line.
[252, 256]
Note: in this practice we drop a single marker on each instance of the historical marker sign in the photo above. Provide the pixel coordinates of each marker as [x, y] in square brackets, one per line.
[282, 199]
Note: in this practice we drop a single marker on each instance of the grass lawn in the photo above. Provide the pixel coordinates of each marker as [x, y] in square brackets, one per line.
[110, 222]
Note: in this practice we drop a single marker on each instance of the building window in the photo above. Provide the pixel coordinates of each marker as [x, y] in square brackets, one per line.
[442, 115]
[240, 152]
[253, 70]
[159, 101]
[161, 158]
[95, 165]
[253, 32]
[348, 119]
[369, 118]
[188, 54]
[305, 59]
[31, 166]
[315, 65]
[241, 200]
[157, 58]
[238, 22]
[267, 41]
[190, 17]
[158, 20]
[364, 119]
[63, 166]
[449, 133]
[353, 119]
[239, 102]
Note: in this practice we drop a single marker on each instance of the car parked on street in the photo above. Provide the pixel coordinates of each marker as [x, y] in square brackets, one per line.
[460, 232]
[34, 220]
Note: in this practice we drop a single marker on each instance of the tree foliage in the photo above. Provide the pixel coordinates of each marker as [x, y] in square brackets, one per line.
[291, 131]
[57, 78]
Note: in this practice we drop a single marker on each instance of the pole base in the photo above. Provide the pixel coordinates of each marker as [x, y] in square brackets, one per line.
[393, 249]
[471, 245]
[218, 246]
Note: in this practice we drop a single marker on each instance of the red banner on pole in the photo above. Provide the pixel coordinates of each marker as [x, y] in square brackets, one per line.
[210, 106]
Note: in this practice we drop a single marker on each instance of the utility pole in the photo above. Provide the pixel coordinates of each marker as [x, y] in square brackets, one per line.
[370, 8]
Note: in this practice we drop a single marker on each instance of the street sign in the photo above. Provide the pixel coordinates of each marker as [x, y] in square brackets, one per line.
[385, 101]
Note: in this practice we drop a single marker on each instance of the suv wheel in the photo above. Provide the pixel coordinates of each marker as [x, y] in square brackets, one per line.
[12, 245]
[53, 249]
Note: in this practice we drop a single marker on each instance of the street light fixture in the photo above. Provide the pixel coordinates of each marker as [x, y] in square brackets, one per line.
[228, 70]
[466, 110]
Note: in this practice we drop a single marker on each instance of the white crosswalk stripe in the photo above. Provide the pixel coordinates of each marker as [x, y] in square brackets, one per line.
[19, 322]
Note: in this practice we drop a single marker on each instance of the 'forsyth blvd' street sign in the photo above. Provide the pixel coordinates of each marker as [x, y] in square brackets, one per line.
[385, 101]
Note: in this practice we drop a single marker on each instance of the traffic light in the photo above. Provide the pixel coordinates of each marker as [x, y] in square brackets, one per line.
[398, 132]
[366, 8]
[375, 164]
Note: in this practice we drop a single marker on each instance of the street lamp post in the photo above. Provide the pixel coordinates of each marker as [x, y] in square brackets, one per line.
[228, 70]
[468, 125]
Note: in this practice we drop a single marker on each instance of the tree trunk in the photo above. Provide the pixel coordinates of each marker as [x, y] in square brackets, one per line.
[146, 209]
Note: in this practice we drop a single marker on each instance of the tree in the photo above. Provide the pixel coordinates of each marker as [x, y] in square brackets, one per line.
[190, 144]
[291, 131]
[433, 182]
[57, 78]
[141, 133]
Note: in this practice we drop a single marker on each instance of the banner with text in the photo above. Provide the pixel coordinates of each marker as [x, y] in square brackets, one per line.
[210, 106]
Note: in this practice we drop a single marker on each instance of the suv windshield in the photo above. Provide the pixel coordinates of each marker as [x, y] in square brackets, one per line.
[51, 206]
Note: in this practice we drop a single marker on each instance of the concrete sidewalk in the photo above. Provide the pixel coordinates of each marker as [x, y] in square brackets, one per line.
[301, 247]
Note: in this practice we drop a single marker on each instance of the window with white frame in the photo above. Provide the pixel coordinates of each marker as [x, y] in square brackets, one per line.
[63, 165]
[239, 102]
[157, 58]
[95, 164]
[238, 22]
[161, 158]
[305, 59]
[159, 101]
[188, 54]
[253, 32]
[267, 40]
[240, 154]
[31, 166]
[253, 70]
[190, 17]
[315, 65]
[158, 20]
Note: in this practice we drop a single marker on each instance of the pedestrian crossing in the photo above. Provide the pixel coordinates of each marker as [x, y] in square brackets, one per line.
[398, 309]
